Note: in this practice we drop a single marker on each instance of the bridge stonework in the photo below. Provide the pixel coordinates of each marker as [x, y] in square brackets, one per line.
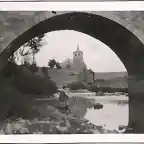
[13, 24]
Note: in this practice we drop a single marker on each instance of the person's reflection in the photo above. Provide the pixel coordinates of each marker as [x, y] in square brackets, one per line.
[79, 106]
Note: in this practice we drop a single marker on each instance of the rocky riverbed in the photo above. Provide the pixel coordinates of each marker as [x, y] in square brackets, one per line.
[52, 118]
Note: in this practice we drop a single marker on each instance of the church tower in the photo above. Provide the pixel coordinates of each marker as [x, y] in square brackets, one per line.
[78, 63]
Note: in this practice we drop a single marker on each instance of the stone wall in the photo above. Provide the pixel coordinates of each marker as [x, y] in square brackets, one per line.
[14, 24]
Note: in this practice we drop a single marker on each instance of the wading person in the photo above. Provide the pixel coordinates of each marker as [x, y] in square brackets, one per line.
[63, 97]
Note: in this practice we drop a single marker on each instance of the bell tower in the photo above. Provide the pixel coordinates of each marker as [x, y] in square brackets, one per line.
[78, 63]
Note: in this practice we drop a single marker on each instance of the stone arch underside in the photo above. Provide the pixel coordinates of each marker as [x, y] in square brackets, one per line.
[123, 42]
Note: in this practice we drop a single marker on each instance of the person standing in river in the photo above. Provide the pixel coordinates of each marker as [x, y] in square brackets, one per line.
[64, 97]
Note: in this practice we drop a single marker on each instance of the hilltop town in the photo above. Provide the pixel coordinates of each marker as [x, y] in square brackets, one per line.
[75, 70]
[72, 70]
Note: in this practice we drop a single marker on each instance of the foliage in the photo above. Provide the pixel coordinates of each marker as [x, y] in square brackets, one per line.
[18, 81]
[76, 86]
[17, 88]
[109, 89]
[34, 44]
[29, 83]
[58, 66]
[93, 88]
[28, 50]
[52, 63]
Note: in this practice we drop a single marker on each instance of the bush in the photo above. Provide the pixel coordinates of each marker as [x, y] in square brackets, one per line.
[76, 86]
[94, 88]
[17, 87]
[28, 83]
[112, 90]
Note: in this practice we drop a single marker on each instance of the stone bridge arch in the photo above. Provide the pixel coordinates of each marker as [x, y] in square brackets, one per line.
[123, 42]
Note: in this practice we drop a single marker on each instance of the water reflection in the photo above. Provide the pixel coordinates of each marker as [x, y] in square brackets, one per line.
[80, 106]
[113, 114]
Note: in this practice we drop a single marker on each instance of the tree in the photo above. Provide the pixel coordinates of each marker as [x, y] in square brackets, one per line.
[28, 83]
[58, 66]
[35, 43]
[52, 63]
[28, 49]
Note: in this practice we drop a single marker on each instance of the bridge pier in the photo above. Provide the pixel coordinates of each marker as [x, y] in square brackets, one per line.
[136, 105]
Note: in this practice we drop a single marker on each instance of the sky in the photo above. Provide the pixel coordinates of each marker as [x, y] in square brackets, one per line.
[59, 45]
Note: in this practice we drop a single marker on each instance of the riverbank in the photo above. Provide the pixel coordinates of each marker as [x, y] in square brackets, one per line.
[51, 118]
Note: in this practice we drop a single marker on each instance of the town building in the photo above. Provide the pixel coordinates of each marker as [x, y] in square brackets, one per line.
[72, 70]
[78, 67]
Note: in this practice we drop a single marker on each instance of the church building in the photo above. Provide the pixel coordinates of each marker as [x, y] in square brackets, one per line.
[72, 70]
[78, 67]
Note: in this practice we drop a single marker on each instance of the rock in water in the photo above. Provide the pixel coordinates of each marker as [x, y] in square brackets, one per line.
[98, 106]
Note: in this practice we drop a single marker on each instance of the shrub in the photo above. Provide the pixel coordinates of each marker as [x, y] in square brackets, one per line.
[17, 87]
[94, 88]
[114, 89]
[28, 83]
[76, 86]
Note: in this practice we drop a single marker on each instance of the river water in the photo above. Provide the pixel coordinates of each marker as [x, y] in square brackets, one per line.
[113, 114]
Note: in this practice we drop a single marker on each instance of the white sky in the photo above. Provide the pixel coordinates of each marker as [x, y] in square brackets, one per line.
[61, 44]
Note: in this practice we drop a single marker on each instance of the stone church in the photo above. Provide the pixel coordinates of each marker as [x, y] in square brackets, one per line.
[72, 70]
[78, 67]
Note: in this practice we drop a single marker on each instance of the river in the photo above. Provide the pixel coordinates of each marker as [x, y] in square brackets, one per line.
[113, 114]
